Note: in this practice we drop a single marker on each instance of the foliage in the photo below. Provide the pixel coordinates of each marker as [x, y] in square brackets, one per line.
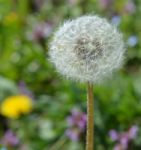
[26, 28]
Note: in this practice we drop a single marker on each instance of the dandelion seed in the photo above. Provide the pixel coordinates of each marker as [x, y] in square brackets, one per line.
[87, 49]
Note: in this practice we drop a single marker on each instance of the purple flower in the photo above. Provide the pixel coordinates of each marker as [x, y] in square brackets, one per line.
[124, 140]
[105, 3]
[130, 7]
[132, 40]
[73, 134]
[77, 118]
[114, 135]
[9, 139]
[36, 5]
[73, 2]
[23, 89]
[76, 124]
[116, 20]
[41, 31]
[133, 132]
[118, 147]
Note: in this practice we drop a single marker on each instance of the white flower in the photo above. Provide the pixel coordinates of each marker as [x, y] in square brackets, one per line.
[46, 125]
[88, 48]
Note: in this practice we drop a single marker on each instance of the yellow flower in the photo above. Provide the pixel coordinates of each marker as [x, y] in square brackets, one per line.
[11, 18]
[15, 106]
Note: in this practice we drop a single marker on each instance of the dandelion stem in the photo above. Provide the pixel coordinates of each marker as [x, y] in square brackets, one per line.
[90, 118]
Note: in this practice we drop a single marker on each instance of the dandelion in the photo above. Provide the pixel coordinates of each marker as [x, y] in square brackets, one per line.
[14, 106]
[87, 49]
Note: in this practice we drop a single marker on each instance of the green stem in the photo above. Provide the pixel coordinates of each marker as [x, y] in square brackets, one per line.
[90, 118]
[59, 143]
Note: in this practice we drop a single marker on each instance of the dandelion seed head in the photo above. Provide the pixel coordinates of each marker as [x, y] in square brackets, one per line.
[87, 49]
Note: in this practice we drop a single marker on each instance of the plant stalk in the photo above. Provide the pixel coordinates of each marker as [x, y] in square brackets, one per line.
[90, 118]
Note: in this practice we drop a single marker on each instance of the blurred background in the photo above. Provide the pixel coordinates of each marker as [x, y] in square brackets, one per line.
[39, 109]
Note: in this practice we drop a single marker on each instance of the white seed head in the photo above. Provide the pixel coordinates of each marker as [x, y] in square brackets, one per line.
[87, 49]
